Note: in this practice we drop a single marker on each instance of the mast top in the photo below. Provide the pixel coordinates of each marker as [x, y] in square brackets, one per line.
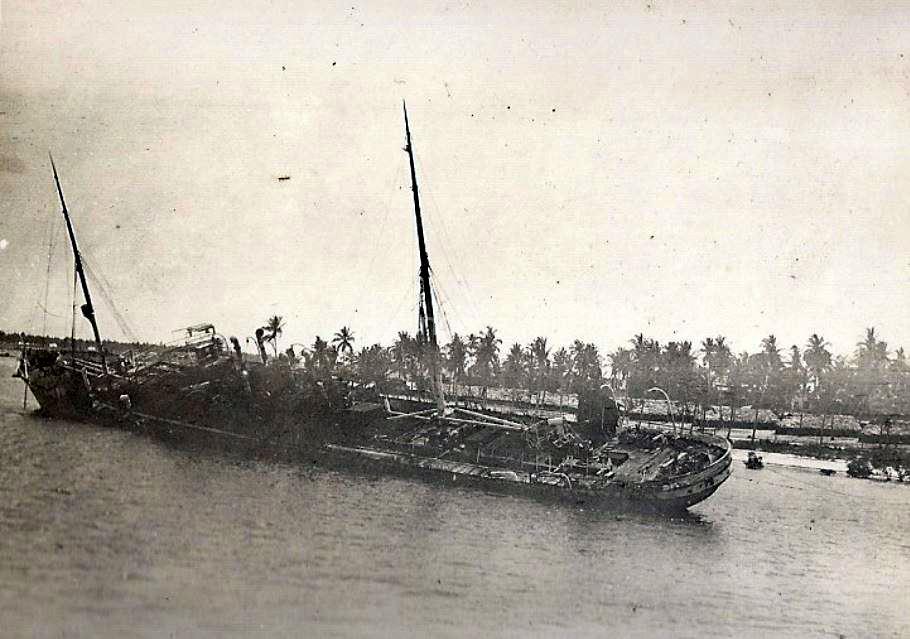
[407, 127]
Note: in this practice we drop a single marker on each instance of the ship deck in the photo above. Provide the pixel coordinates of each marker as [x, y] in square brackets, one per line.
[642, 465]
[650, 458]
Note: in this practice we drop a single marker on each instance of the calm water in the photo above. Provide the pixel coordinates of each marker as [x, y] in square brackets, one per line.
[104, 533]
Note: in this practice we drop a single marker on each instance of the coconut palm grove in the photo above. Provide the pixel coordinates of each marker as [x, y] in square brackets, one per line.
[709, 380]
[870, 381]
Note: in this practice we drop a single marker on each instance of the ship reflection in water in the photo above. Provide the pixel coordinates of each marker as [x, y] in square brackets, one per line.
[104, 533]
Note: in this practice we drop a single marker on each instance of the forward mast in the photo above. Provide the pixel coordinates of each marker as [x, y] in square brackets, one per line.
[88, 310]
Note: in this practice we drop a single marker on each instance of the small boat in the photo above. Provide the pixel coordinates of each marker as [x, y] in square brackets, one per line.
[754, 461]
[827, 472]
[860, 468]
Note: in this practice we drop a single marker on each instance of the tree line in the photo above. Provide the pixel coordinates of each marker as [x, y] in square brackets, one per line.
[10, 341]
[473, 360]
[810, 378]
[807, 378]
[872, 381]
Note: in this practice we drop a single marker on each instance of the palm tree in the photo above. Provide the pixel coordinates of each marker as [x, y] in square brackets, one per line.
[677, 371]
[716, 358]
[421, 361]
[796, 359]
[817, 358]
[708, 349]
[273, 331]
[797, 378]
[872, 363]
[322, 358]
[489, 347]
[620, 365]
[372, 365]
[741, 373]
[577, 353]
[871, 353]
[344, 340]
[456, 359]
[400, 352]
[771, 351]
[561, 372]
[769, 380]
[486, 357]
[833, 395]
[540, 358]
[723, 356]
[587, 365]
[644, 366]
[513, 369]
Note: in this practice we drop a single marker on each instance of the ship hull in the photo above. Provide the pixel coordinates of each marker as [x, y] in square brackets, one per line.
[671, 497]
[228, 419]
[60, 392]
[217, 403]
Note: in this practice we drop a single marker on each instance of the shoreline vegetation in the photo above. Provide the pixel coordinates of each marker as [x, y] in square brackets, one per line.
[805, 401]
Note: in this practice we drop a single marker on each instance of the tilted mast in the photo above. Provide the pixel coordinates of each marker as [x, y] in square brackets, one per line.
[87, 309]
[421, 243]
[424, 271]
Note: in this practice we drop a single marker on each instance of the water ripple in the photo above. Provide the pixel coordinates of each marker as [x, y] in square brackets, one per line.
[104, 533]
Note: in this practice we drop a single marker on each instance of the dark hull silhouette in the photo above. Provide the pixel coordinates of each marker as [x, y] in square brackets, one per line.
[273, 411]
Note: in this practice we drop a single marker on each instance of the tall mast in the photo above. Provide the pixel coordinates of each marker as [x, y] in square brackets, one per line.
[87, 309]
[421, 243]
[424, 270]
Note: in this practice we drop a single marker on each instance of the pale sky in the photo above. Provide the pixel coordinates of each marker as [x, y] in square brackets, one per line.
[677, 169]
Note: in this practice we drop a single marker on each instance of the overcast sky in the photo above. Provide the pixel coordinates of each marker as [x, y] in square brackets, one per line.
[676, 169]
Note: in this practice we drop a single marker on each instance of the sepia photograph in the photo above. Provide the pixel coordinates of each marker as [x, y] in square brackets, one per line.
[454, 319]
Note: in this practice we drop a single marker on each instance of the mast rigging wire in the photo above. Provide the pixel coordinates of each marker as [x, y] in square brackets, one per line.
[378, 247]
[46, 313]
[460, 282]
[73, 327]
[103, 287]
[52, 239]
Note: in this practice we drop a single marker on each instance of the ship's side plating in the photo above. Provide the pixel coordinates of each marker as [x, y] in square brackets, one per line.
[61, 389]
[673, 493]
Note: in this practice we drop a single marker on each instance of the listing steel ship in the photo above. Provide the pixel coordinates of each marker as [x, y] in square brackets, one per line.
[203, 389]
